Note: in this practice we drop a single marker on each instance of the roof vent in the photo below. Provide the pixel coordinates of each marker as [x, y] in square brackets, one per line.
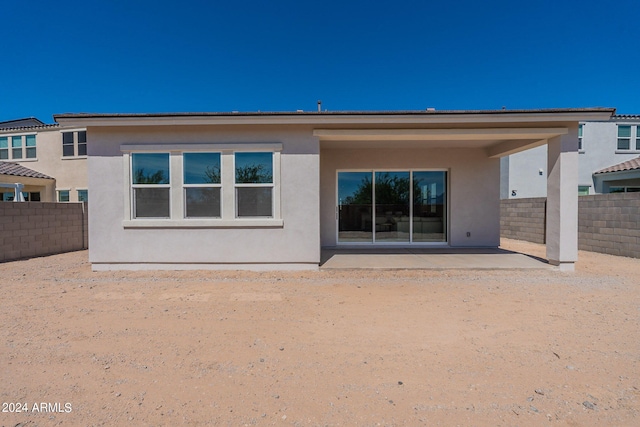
[299, 111]
[431, 109]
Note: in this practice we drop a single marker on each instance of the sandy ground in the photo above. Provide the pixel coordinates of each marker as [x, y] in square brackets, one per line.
[337, 348]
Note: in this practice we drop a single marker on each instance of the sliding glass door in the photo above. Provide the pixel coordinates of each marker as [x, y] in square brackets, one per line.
[392, 206]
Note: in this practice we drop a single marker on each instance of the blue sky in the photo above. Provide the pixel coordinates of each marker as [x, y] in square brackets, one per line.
[284, 55]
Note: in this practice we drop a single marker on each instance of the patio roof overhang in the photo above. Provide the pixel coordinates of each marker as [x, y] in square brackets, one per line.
[497, 142]
[499, 132]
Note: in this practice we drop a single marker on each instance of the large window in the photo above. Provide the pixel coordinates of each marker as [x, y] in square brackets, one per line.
[151, 185]
[254, 184]
[202, 185]
[392, 206]
[18, 147]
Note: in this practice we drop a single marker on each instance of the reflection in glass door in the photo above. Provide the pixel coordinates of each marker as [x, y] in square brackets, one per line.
[392, 207]
[429, 206]
[355, 202]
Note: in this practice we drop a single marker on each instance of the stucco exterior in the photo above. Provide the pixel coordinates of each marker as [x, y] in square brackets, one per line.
[309, 149]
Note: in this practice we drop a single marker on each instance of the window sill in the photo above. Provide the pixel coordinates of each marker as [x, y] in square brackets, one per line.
[21, 160]
[203, 223]
[627, 151]
[72, 157]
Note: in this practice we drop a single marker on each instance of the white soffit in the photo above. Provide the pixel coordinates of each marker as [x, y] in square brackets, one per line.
[480, 134]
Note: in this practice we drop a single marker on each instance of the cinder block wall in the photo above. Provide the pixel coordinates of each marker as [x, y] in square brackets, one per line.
[607, 223]
[523, 219]
[610, 224]
[35, 228]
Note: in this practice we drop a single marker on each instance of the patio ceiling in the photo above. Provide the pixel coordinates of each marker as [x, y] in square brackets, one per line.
[497, 142]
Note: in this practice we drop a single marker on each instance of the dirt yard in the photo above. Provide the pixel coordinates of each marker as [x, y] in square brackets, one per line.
[336, 348]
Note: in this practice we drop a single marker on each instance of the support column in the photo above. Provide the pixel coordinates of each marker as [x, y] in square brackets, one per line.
[562, 200]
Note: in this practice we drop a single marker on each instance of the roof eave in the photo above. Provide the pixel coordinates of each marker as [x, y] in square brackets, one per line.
[336, 118]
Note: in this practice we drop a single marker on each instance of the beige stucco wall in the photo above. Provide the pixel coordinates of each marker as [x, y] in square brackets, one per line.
[297, 242]
[474, 187]
[70, 173]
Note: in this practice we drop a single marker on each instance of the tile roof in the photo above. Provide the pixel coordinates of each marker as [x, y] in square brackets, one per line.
[625, 116]
[14, 169]
[629, 165]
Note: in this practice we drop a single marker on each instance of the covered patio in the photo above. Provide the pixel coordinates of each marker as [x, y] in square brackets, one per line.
[429, 259]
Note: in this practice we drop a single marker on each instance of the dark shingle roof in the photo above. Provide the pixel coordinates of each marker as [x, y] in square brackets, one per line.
[24, 124]
[629, 165]
[8, 168]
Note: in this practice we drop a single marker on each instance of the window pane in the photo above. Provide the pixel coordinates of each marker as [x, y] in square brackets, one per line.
[67, 137]
[4, 154]
[82, 149]
[429, 206]
[16, 153]
[4, 142]
[355, 201]
[150, 168]
[202, 202]
[63, 196]
[624, 144]
[67, 150]
[254, 201]
[83, 195]
[392, 206]
[31, 153]
[254, 168]
[579, 131]
[82, 137]
[151, 202]
[201, 168]
[16, 141]
[35, 197]
[31, 140]
[624, 131]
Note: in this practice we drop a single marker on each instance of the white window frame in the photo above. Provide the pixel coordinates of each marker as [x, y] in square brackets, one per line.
[142, 186]
[177, 202]
[59, 190]
[78, 190]
[75, 155]
[254, 185]
[22, 148]
[207, 185]
[581, 137]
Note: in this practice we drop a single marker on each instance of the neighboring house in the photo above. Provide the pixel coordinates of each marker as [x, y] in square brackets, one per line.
[52, 150]
[602, 145]
[33, 184]
[269, 190]
[621, 178]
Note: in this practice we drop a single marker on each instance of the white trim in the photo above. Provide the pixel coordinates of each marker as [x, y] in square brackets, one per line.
[177, 208]
[208, 147]
[348, 119]
[203, 223]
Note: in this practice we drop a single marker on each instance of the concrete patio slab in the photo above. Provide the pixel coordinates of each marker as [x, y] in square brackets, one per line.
[441, 259]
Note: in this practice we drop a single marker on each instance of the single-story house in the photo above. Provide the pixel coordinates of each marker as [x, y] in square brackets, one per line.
[269, 190]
